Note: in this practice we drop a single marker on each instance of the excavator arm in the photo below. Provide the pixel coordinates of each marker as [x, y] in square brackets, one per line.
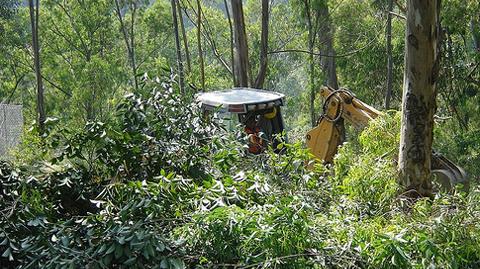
[342, 105]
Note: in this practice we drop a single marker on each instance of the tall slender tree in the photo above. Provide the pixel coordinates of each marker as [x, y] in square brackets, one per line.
[325, 40]
[34, 15]
[419, 96]
[262, 71]
[178, 46]
[232, 43]
[388, 92]
[241, 45]
[184, 37]
[129, 38]
[199, 44]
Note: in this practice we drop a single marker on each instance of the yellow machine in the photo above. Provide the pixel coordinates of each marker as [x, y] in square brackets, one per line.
[259, 111]
[340, 105]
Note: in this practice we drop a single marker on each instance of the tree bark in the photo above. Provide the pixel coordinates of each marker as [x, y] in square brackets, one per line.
[178, 47]
[241, 46]
[199, 42]
[328, 64]
[232, 55]
[311, 44]
[388, 92]
[262, 71]
[184, 37]
[34, 11]
[419, 96]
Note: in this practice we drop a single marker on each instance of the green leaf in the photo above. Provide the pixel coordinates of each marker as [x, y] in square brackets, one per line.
[110, 249]
[102, 249]
[177, 263]
[65, 241]
[118, 251]
[7, 253]
[130, 261]
[164, 264]
[160, 247]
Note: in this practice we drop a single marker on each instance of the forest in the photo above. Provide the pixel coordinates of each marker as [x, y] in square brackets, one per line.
[119, 165]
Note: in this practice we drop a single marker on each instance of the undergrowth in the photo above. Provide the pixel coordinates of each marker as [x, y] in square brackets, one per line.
[160, 186]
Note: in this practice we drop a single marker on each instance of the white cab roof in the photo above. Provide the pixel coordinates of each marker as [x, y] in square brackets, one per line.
[240, 96]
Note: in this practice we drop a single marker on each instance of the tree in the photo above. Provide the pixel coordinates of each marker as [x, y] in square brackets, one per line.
[419, 96]
[82, 58]
[388, 93]
[312, 24]
[232, 43]
[241, 45]
[326, 49]
[177, 45]
[34, 11]
[199, 44]
[184, 37]
[262, 71]
[129, 37]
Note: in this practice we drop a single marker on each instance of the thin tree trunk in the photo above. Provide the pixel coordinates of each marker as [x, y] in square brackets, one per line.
[178, 47]
[132, 45]
[262, 72]
[388, 92]
[129, 43]
[328, 64]
[34, 11]
[199, 42]
[474, 28]
[231, 41]
[419, 96]
[184, 37]
[311, 43]
[241, 53]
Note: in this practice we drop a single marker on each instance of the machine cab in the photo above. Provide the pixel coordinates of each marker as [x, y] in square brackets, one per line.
[257, 110]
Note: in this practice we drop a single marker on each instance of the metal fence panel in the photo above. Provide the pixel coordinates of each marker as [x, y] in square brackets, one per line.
[11, 126]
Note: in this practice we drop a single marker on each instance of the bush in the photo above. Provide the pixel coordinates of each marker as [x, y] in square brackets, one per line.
[159, 186]
[370, 178]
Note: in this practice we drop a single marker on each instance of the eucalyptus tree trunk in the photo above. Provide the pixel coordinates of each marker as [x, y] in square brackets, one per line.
[388, 92]
[178, 46]
[241, 47]
[199, 43]
[232, 55]
[34, 11]
[262, 71]
[184, 37]
[327, 62]
[311, 44]
[419, 96]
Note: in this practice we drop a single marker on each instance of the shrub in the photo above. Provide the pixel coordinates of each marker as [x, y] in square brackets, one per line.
[370, 178]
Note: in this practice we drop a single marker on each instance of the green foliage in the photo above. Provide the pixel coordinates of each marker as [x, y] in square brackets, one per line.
[144, 181]
[370, 178]
[105, 199]
[160, 186]
[264, 236]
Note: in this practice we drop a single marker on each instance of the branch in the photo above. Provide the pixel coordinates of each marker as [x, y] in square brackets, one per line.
[320, 54]
[87, 50]
[56, 86]
[398, 15]
[17, 82]
[207, 36]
